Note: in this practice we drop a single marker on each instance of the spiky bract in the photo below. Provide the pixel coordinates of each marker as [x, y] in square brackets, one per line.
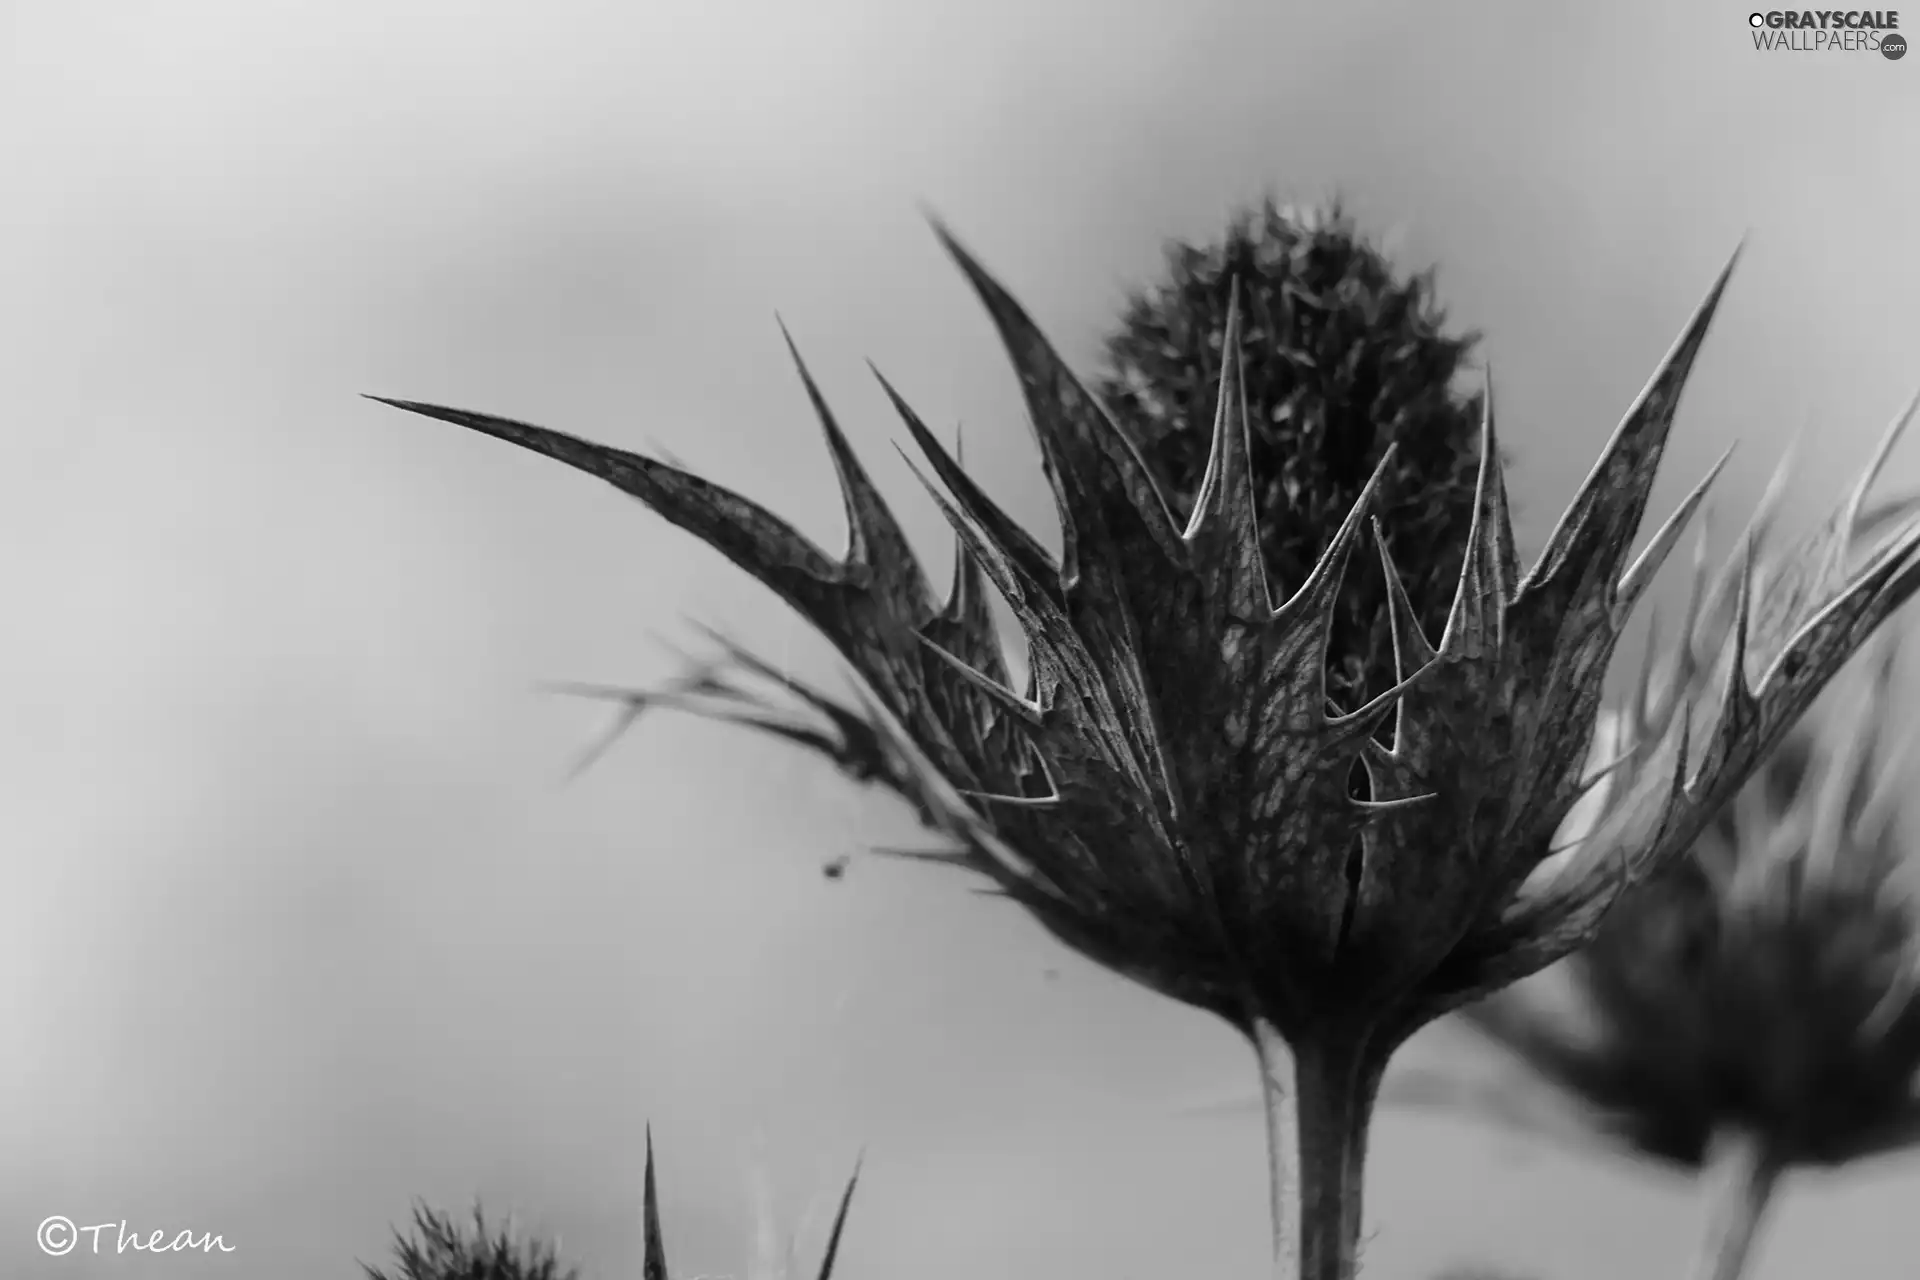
[1168, 794]
[1343, 357]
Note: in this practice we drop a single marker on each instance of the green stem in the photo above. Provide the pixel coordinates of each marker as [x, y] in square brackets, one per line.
[1740, 1174]
[1319, 1097]
[1283, 1144]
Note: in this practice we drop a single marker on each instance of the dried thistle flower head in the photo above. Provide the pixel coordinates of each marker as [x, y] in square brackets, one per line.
[1169, 791]
[1343, 357]
[441, 1248]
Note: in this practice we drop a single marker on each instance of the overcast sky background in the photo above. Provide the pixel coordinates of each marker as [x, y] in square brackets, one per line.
[299, 920]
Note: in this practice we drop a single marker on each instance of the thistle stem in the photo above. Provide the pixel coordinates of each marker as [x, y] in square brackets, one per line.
[1338, 1081]
[1283, 1144]
[1319, 1097]
[1740, 1174]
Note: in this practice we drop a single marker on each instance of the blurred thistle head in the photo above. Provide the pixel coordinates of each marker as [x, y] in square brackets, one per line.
[1172, 790]
[440, 1247]
[1343, 356]
[1768, 985]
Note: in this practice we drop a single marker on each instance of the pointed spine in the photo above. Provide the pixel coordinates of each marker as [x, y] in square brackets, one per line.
[653, 1265]
[1481, 595]
[1015, 544]
[1078, 439]
[1223, 510]
[832, 1254]
[1597, 529]
[1834, 569]
[1640, 574]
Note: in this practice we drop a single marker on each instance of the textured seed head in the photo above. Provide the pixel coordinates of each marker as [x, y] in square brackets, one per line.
[1769, 982]
[1169, 790]
[1342, 357]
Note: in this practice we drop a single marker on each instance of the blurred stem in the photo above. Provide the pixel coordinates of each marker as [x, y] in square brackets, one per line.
[1319, 1098]
[1283, 1144]
[1740, 1175]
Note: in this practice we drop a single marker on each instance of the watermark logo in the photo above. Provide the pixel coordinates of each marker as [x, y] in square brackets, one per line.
[1829, 31]
[58, 1236]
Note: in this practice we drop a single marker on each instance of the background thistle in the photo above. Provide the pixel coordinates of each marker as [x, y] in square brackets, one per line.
[1343, 356]
[1753, 1008]
[442, 1248]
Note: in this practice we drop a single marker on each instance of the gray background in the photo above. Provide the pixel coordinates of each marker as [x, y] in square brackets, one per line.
[299, 920]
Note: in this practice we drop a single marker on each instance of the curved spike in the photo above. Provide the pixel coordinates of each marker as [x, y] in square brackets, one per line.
[740, 529]
[1818, 567]
[875, 540]
[1029, 713]
[1315, 596]
[965, 586]
[1217, 501]
[1293, 648]
[1691, 639]
[966, 582]
[1359, 724]
[1006, 534]
[965, 625]
[1504, 553]
[1738, 708]
[944, 857]
[1392, 806]
[1857, 496]
[1411, 649]
[1033, 609]
[1017, 802]
[1223, 509]
[1002, 566]
[1089, 460]
[653, 1264]
[1596, 531]
[1482, 585]
[1885, 583]
[1639, 576]
[1888, 511]
[840, 1221]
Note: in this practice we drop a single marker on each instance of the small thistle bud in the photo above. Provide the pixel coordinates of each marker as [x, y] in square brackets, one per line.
[1343, 357]
[1169, 790]
[441, 1248]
